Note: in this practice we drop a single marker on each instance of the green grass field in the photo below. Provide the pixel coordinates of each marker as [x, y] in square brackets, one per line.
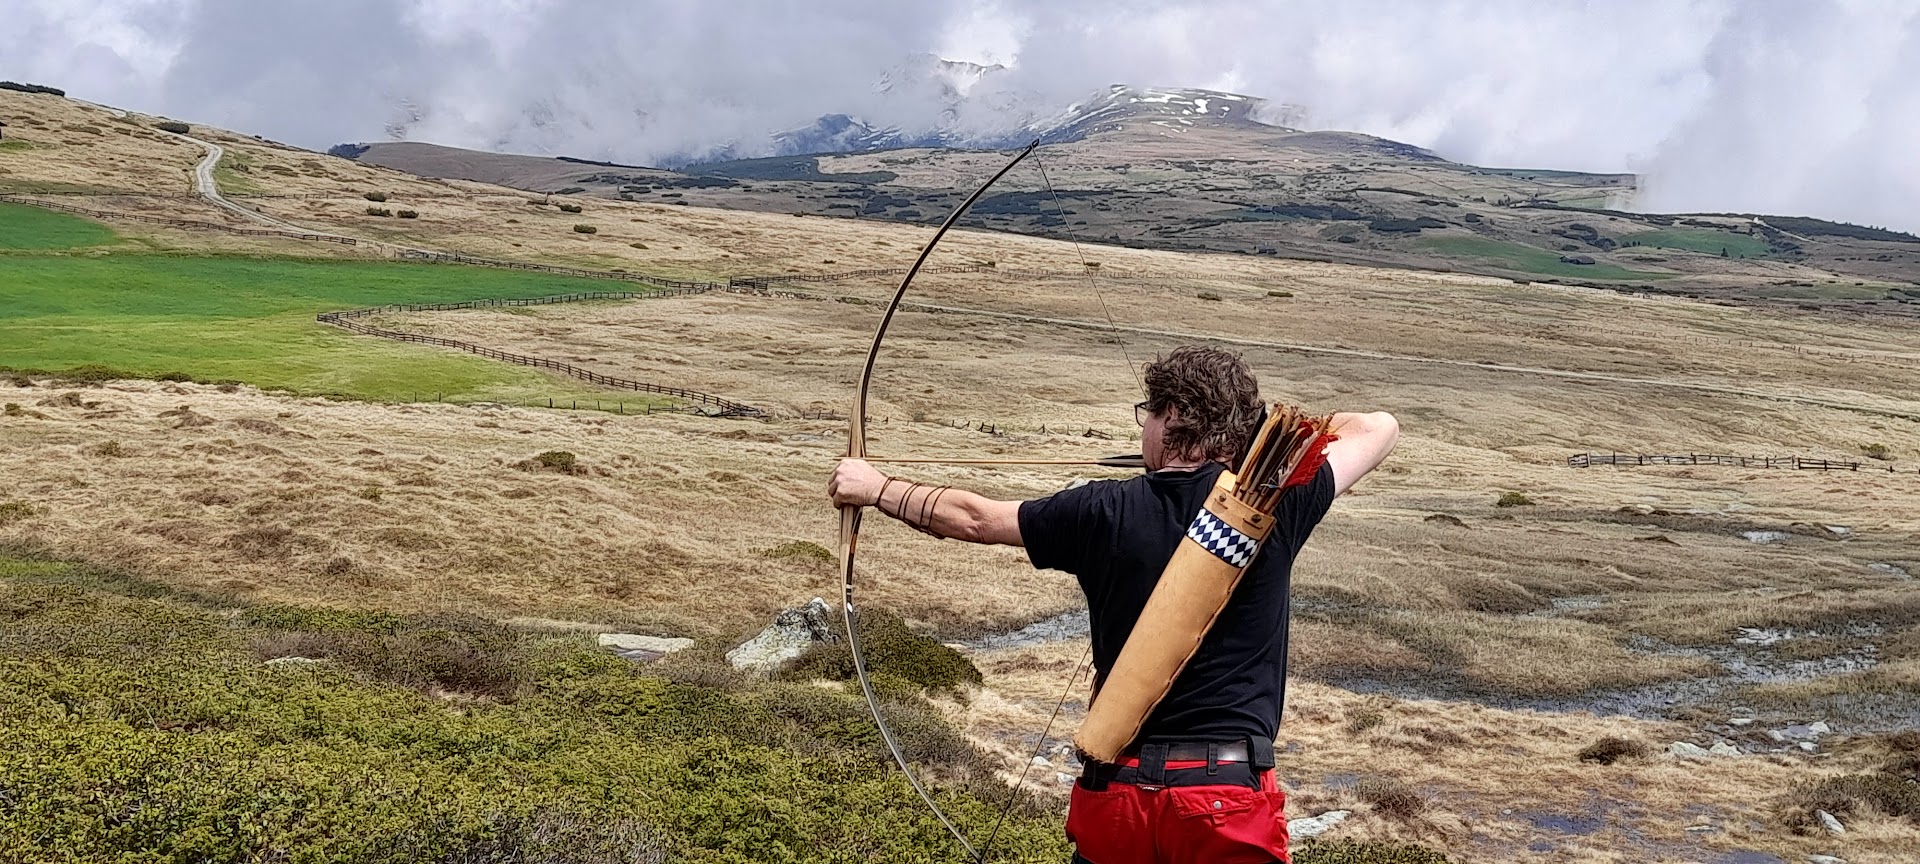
[1527, 259]
[1702, 240]
[32, 228]
[251, 320]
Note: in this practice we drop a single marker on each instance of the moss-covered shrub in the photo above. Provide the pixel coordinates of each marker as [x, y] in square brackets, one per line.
[408, 214]
[1513, 499]
[585, 229]
[379, 211]
[1360, 852]
[1390, 797]
[1610, 749]
[557, 461]
[890, 649]
[375, 197]
[800, 550]
[570, 208]
[173, 126]
[15, 511]
[148, 730]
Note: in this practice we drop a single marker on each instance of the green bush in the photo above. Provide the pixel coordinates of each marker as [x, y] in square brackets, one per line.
[1207, 295]
[1513, 499]
[379, 211]
[1610, 749]
[376, 197]
[1279, 293]
[173, 126]
[146, 730]
[891, 649]
[570, 208]
[408, 214]
[801, 550]
[585, 229]
[1359, 852]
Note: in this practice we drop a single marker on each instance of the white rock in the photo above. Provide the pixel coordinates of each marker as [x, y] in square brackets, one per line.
[1809, 746]
[1820, 728]
[1838, 530]
[637, 642]
[1064, 779]
[1825, 859]
[1701, 829]
[790, 635]
[1765, 536]
[1314, 826]
[293, 662]
[1740, 721]
[1689, 751]
[1832, 825]
[1041, 762]
[1724, 749]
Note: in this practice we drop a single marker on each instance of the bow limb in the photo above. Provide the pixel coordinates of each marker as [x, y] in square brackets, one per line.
[850, 516]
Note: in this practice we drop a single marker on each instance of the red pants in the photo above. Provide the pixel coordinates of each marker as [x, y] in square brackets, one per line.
[1127, 824]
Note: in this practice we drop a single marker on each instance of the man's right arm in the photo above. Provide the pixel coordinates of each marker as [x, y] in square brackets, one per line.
[1365, 440]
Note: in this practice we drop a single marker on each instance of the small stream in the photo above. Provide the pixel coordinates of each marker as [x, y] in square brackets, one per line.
[1749, 659]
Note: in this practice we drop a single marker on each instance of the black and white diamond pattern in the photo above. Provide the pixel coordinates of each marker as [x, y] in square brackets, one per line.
[1222, 540]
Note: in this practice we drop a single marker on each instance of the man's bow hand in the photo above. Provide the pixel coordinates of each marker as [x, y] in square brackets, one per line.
[855, 484]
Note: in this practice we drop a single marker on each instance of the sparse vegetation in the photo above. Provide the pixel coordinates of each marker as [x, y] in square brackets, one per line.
[800, 550]
[1207, 295]
[408, 214]
[376, 197]
[1363, 852]
[379, 211]
[14, 511]
[1391, 798]
[570, 208]
[31, 88]
[1277, 293]
[924, 663]
[513, 747]
[1513, 499]
[1878, 451]
[1611, 749]
[585, 229]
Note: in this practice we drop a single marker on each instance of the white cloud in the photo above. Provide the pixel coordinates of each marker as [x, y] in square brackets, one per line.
[1796, 106]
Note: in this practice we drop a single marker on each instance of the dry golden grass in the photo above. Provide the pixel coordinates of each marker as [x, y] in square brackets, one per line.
[422, 508]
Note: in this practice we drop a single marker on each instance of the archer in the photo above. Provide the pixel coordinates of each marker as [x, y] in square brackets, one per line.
[1194, 782]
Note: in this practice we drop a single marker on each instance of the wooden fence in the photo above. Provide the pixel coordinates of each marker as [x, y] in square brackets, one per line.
[721, 406]
[1798, 463]
[681, 285]
[180, 223]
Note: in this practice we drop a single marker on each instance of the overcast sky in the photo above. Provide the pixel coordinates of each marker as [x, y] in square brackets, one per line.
[1780, 106]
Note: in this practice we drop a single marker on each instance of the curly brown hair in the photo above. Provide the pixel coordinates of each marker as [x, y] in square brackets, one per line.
[1218, 398]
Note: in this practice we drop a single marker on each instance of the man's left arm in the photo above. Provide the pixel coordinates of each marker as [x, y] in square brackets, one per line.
[1365, 440]
[940, 510]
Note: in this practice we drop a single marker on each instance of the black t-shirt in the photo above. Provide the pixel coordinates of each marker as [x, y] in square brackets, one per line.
[1116, 536]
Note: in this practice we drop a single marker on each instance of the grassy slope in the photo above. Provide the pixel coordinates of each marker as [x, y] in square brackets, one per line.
[134, 722]
[1528, 259]
[251, 320]
[32, 228]
[1703, 240]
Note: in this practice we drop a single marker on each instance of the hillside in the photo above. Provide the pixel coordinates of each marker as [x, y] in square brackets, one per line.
[1195, 171]
[1494, 652]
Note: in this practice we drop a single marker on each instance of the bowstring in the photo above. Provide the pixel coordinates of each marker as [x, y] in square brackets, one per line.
[1019, 786]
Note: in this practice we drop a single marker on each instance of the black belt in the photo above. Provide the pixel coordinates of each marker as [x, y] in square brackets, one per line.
[1229, 763]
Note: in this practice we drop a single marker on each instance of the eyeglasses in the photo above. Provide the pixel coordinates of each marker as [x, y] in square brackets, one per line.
[1140, 413]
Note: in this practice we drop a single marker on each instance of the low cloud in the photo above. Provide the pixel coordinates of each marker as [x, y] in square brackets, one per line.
[1778, 106]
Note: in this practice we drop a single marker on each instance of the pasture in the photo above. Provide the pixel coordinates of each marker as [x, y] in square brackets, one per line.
[251, 320]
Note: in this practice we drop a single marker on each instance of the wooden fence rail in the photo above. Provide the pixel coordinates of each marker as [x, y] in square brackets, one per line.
[344, 320]
[1798, 463]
